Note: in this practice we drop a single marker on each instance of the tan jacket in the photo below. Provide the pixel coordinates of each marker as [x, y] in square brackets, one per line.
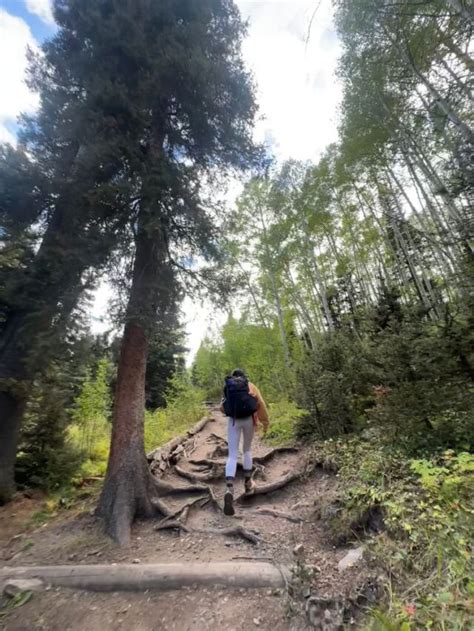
[262, 412]
[261, 415]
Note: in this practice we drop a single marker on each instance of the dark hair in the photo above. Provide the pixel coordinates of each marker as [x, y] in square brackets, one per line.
[238, 373]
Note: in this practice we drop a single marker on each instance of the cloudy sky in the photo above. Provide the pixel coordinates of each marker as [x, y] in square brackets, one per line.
[292, 49]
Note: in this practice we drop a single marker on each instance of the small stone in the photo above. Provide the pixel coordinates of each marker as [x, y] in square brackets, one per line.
[15, 586]
[298, 550]
[124, 609]
[256, 622]
[306, 592]
[350, 559]
[136, 561]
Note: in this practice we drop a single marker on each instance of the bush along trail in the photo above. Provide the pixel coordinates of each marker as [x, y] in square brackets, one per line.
[272, 565]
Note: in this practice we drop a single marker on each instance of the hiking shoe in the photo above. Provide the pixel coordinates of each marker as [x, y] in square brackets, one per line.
[229, 503]
[250, 486]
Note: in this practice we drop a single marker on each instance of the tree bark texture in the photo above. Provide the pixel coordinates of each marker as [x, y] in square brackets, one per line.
[129, 488]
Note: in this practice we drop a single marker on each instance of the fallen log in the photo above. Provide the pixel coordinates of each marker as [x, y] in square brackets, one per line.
[165, 451]
[160, 576]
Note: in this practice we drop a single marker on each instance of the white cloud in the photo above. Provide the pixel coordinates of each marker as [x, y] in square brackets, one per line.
[41, 8]
[297, 92]
[15, 37]
[6, 136]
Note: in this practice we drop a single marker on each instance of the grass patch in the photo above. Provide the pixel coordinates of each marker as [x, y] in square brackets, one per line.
[284, 416]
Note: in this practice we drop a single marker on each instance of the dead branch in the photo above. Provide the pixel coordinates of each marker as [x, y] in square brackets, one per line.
[161, 457]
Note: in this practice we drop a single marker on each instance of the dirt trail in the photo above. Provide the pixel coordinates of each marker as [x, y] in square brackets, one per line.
[273, 524]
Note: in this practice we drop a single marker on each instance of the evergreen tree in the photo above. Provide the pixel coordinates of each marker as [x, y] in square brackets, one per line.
[198, 106]
[73, 189]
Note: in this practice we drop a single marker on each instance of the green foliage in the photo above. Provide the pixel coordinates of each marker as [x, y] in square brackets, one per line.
[284, 416]
[47, 458]
[184, 407]
[19, 599]
[427, 507]
[251, 347]
[92, 408]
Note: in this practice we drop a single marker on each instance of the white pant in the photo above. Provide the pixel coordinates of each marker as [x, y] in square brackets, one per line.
[234, 429]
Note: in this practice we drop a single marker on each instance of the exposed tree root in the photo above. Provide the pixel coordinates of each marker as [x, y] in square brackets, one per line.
[219, 439]
[172, 524]
[214, 474]
[237, 531]
[212, 462]
[274, 452]
[213, 500]
[160, 506]
[278, 513]
[208, 462]
[271, 487]
[165, 488]
[181, 513]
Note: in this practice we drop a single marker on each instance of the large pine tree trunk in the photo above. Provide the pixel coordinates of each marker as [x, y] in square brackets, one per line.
[129, 488]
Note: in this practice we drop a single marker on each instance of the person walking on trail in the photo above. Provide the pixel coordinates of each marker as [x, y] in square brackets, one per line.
[244, 407]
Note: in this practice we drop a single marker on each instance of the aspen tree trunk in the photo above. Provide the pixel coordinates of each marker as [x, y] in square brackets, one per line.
[276, 295]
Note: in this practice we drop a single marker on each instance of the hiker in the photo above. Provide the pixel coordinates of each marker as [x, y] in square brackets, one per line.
[244, 407]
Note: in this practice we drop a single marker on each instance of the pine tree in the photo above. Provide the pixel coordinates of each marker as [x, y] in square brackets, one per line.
[200, 106]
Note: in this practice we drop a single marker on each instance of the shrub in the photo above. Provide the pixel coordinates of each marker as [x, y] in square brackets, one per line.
[184, 407]
[429, 528]
[284, 415]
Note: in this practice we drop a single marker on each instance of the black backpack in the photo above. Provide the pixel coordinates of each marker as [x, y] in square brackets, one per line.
[238, 402]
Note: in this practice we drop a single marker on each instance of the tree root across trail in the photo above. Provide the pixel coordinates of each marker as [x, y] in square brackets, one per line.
[281, 522]
[173, 462]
